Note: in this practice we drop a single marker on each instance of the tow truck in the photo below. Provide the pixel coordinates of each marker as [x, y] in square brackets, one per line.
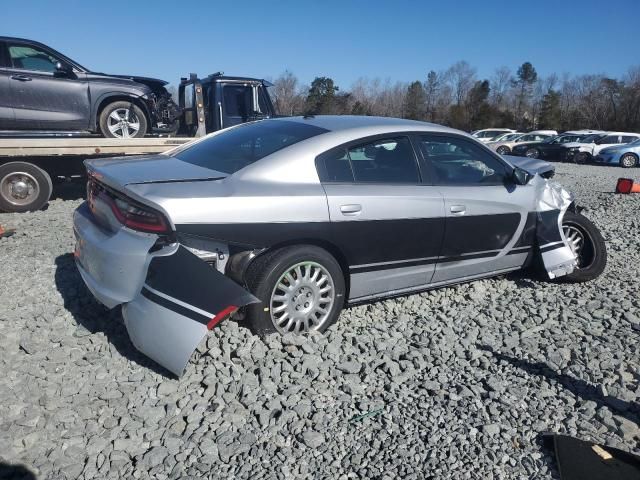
[30, 164]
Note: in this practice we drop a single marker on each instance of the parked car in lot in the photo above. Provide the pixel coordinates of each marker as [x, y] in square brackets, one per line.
[624, 155]
[583, 152]
[291, 219]
[504, 147]
[551, 148]
[488, 134]
[42, 89]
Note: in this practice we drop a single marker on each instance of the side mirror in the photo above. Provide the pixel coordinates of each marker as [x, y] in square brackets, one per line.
[520, 176]
[63, 68]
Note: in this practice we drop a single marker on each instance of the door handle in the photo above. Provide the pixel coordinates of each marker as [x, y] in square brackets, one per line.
[21, 78]
[458, 209]
[351, 209]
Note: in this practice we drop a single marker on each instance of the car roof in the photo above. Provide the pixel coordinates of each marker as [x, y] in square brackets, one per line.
[336, 123]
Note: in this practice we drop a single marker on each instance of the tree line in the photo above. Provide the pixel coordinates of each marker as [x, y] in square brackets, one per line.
[458, 98]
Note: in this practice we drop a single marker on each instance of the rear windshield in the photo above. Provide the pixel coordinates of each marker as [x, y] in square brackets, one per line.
[234, 149]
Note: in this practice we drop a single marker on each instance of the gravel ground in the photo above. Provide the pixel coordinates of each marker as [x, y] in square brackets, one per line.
[453, 383]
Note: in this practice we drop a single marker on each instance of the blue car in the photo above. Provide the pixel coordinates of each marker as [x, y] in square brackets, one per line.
[624, 155]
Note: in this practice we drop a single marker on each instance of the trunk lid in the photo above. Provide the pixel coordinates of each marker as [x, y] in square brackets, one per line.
[120, 172]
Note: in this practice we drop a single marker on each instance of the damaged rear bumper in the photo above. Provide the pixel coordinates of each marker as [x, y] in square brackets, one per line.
[170, 298]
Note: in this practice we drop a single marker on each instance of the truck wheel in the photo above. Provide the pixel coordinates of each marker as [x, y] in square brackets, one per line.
[301, 288]
[123, 120]
[588, 245]
[23, 187]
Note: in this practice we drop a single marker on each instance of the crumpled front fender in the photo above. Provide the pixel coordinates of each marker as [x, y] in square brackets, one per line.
[552, 201]
[181, 300]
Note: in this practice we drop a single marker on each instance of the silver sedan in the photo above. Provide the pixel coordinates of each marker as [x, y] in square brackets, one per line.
[283, 222]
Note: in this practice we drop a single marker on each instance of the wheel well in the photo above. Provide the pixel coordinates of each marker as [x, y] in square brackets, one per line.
[121, 98]
[328, 246]
[630, 153]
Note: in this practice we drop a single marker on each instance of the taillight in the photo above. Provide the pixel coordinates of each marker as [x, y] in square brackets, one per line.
[137, 217]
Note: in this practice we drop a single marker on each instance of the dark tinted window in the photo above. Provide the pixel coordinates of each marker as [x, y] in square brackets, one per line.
[262, 101]
[384, 161]
[4, 61]
[610, 139]
[231, 150]
[628, 138]
[335, 167]
[31, 58]
[237, 100]
[457, 161]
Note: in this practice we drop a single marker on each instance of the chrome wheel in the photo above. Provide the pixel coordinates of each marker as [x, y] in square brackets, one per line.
[580, 242]
[19, 188]
[628, 161]
[503, 151]
[123, 123]
[302, 298]
[532, 153]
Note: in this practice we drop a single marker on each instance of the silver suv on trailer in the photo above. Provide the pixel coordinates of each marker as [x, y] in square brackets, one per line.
[289, 220]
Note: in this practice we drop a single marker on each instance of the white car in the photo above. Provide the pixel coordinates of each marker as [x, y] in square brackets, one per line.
[489, 134]
[582, 152]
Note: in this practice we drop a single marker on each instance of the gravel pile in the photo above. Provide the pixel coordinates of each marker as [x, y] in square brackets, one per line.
[453, 383]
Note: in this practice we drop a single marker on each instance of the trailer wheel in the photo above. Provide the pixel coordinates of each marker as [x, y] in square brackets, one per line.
[23, 187]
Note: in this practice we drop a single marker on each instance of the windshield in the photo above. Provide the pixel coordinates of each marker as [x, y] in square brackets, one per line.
[234, 149]
[635, 143]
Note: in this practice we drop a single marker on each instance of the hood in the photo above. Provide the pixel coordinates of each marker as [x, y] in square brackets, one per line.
[119, 172]
[532, 165]
[152, 83]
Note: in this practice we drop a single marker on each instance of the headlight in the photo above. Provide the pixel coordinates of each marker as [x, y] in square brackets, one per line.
[574, 149]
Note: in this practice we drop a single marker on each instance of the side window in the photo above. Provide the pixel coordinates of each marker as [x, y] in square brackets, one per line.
[237, 100]
[31, 58]
[262, 101]
[334, 166]
[609, 139]
[457, 161]
[384, 161]
[628, 139]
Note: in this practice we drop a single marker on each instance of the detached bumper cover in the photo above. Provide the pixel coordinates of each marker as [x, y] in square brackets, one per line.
[553, 200]
[182, 298]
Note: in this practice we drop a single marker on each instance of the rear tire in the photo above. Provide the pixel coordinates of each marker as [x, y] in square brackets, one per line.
[629, 160]
[290, 298]
[503, 150]
[123, 120]
[592, 251]
[23, 187]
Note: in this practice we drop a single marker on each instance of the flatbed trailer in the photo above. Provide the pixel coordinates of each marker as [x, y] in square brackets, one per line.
[29, 166]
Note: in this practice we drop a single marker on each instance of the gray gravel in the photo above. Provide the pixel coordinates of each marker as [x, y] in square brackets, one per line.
[453, 383]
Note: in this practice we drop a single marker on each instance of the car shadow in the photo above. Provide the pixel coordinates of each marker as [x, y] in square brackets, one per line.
[580, 388]
[93, 316]
[15, 472]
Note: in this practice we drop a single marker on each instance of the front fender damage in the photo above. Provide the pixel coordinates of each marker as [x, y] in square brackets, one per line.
[552, 201]
[181, 300]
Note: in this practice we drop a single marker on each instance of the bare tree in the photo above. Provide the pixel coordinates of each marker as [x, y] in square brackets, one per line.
[287, 95]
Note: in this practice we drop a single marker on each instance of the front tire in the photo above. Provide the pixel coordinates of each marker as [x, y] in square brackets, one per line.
[588, 245]
[532, 153]
[503, 150]
[629, 160]
[23, 187]
[301, 288]
[581, 158]
[123, 120]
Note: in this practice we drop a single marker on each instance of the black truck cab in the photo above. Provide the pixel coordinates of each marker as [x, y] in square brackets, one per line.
[220, 101]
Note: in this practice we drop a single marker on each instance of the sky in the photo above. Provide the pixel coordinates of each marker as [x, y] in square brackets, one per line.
[400, 39]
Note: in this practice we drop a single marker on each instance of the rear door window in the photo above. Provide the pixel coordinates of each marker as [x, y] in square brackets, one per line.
[610, 139]
[384, 161]
[628, 139]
